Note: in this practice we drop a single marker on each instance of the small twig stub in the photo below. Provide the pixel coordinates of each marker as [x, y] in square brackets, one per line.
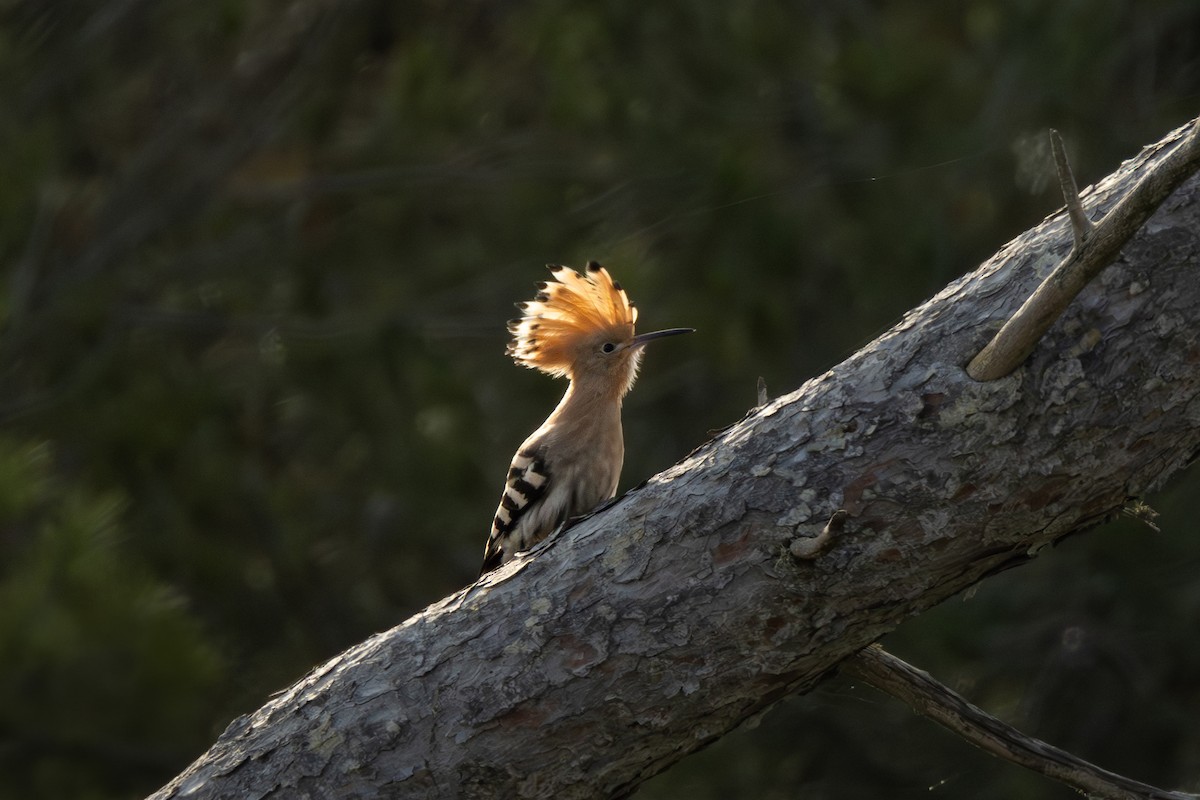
[1081, 226]
[808, 548]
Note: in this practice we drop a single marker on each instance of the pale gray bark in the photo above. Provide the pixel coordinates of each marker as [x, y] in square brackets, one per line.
[654, 627]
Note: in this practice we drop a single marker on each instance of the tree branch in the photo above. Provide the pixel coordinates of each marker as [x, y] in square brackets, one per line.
[1081, 226]
[891, 675]
[654, 627]
[1095, 248]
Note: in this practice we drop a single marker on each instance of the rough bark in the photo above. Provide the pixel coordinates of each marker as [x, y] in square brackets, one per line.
[653, 628]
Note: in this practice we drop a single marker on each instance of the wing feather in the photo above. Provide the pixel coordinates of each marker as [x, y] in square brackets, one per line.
[524, 490]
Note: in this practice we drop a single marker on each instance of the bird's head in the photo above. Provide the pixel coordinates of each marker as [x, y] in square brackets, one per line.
[581, 326]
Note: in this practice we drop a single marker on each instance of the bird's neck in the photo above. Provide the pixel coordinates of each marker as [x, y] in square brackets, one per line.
[589, 402]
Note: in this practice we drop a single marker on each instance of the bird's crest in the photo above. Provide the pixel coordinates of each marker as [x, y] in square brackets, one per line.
[570, 307]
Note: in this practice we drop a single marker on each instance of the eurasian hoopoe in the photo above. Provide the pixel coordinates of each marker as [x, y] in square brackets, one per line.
[579, 326]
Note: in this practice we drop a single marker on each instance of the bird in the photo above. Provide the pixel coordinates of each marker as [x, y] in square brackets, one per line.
[579, 326]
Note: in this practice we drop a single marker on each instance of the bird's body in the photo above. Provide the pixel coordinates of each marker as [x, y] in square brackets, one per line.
[580, 326]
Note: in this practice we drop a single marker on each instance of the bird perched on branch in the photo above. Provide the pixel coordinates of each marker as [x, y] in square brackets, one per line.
[579, 326]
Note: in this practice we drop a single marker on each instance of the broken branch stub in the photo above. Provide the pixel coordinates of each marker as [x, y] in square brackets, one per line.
[1095, 248]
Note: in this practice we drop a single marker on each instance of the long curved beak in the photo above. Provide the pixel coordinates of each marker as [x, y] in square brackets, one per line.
[642, 339]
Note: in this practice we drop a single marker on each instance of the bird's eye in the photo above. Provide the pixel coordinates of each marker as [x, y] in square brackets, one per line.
[608, 347]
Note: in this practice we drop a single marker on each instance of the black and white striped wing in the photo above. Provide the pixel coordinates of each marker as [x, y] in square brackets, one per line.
[515, 526]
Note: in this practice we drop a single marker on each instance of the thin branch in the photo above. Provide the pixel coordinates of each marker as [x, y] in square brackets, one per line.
[1081, 226]
[889, 674]
[1016, 340]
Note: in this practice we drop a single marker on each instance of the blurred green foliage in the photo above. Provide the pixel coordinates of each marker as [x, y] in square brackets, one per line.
[258, 258]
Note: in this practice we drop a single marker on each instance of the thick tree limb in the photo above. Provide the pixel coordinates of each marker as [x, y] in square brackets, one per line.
[655, 627]
[1095, 248]
[889, 674]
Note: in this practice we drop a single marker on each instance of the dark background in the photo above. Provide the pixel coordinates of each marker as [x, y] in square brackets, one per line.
[254, 404]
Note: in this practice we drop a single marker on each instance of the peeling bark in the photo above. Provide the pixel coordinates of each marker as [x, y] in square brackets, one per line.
[656, 626]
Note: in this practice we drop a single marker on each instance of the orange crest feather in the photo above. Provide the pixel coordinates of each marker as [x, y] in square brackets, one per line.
[566, 310]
